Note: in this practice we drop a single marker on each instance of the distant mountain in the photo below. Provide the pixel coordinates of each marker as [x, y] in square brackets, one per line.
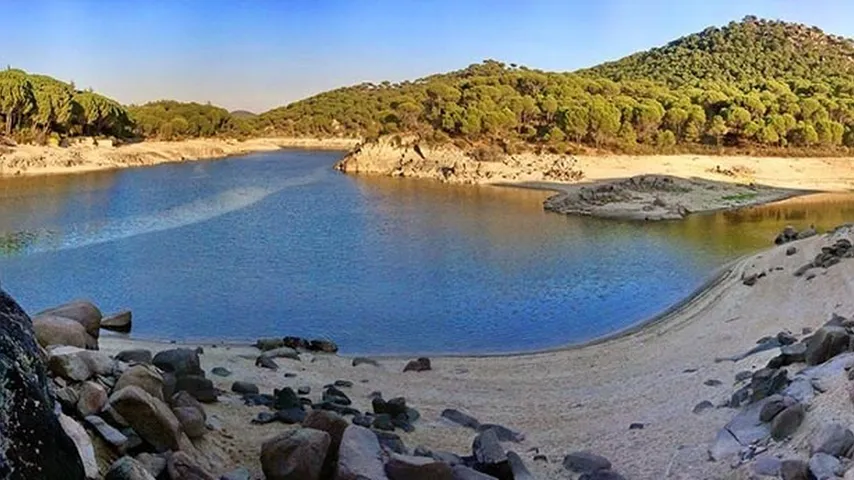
[243, 114]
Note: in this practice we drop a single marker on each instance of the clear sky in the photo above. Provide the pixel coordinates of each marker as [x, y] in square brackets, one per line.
[258, 54]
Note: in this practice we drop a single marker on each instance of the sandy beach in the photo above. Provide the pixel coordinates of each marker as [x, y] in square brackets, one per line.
[579, 398]
[87, 157]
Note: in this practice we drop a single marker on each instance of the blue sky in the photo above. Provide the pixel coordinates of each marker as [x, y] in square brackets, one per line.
[258, 54]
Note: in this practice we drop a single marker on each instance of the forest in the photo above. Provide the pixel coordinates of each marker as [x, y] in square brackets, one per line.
[756, 85]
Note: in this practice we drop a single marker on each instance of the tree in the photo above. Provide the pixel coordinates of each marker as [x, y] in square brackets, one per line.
[717, 128]
[16, 98]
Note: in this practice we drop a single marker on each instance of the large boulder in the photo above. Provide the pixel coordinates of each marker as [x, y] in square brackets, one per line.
[295, 455]
[35, 444]
[198, 386]
[118, 322]
[150, 417]
[83, 443]
[77, 364]
[179, 361]
[126, 468]
[143, 376]
[192, 421]
[333, 424]
[51, 330]
[136, 355]
[826, 343]
[360, 455]
[181, 466]
[405, 467]
[833, 439]
[92, 397]
[83, 312]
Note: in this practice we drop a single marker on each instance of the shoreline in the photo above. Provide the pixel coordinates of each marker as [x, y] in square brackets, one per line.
[32, 160]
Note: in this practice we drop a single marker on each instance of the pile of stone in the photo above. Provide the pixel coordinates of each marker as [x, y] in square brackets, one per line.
[789, 234]
[829, 256]
[777, 399]
[297, 343]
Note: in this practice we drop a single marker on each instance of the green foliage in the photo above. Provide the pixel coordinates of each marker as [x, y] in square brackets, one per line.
[170, 120]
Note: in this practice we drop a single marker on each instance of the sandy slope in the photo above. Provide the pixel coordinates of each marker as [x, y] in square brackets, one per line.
[585, 398]
[40, 160]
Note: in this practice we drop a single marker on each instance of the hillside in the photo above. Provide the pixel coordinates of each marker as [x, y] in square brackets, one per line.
[753, 85]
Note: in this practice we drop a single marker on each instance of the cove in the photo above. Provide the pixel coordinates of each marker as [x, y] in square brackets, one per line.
[279, 244]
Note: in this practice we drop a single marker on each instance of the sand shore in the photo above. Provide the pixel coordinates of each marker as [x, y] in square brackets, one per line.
[80, 158]
[581, 398]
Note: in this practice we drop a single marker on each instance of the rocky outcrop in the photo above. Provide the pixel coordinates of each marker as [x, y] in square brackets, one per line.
[34, 444]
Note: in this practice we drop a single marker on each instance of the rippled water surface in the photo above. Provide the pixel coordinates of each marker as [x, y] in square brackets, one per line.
[280, 244]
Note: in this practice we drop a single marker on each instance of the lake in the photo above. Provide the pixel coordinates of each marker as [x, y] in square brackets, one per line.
[279, 244]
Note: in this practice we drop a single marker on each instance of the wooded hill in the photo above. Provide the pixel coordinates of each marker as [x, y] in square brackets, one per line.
[755, 85]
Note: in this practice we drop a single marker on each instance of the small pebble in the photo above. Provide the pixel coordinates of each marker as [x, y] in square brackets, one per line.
[636, 426]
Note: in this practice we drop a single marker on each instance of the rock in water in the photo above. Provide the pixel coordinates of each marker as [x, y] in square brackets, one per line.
[118, 322]
[126, 468]
[35, 445]
[360, 455]
[295, 455]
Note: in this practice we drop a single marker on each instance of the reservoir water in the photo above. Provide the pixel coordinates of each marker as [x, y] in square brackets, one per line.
[279, 244]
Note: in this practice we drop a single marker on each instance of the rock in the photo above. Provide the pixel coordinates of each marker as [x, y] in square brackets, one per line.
[712, 382]
[192, 421]
[221, 372]
[602, 475]
[791, 251]
[420, 365]
[520, 471]
[787, 422]
[795, 353]
[774, 405]
[143, 376]
[81, 311]
[766, 382]
[504, 434]
[83, 444]
[282, 352]
[184, 399]
[394, 407]
[179, 361]
[460, 418]
[291, 416]
[239, 473]
[343, 384]
[286, 398]
[383, 421]
[77, 364]
[360, 455]
[826, 343]
[181, 466]
[794, 469]
[332, 394]
[824, 466]
[154, 463]
[833, 439]
[702, 406]
[304, 390]
[325, 346]
[52, 330]
[405, 467]
[126, 468]
[295, 455]
[391, 442]
[265, 344]
[150, 417]
[767, 465]
[264, 418]
[335, 426]
[266, 362]
[118, 322]
[582, 462]
[743, 375]
[447, 457]
[296, 343]
[139, 355]
[490, 456]
[244, 387]
[107, 432]
[290, 375]
[462, 472]
[365, 361]
[739, 397]
[363, 420]
[92, 399]
[201, 388]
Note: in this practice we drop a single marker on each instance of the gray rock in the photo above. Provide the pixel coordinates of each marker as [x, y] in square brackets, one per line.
[303, 390]
[143, 376]
[365, 361]
[824, 466]
[92, 398]
[221, 372]
[107, 432]
[460, 418]
[126, 468]
[295, 455]
[826, 343]
[775, 404]
[420, 365]
[83, 443]
[121, 322]
[182, 466]
[201, 388]
[794, 469]
[154, 463]
[520, 471]
[791, 251]
[184, 399]
[391, 442]
[139, 355]
[490, 456]
[462, 472]
[239, 473]
[787, 422]
[767, 382]
[504, 434]
[702, 406]
[282, 352]
[451, 459]
[602, 475]
[149, 417]
[192, 421]
[265, 344]
[405, 467]
[833, 439]
[266, 362]
[334, 425]
[179, 361]
[767, 465]
[582, 462]
[244, 387]
[360, 455]
[77, 364]
[36, 446]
